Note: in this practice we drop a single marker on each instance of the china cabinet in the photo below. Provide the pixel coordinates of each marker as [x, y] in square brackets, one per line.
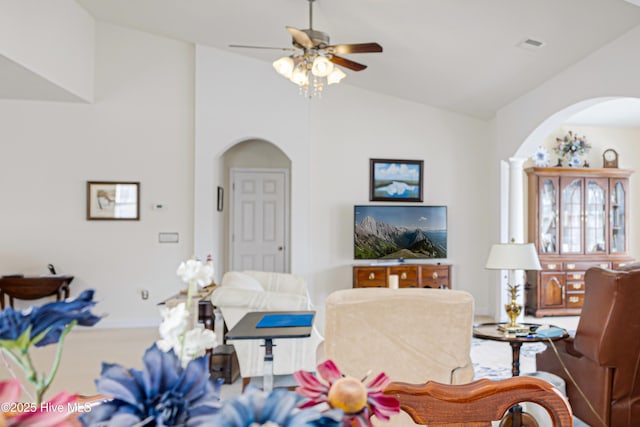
[578, 218]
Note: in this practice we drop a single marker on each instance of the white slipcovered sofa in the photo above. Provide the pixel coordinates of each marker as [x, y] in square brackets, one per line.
[243, 292]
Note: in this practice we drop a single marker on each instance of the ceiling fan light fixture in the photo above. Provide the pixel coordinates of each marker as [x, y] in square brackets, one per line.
[321, 67]
[335, 76]
[299, 75]
[284, 66]
[315, 62]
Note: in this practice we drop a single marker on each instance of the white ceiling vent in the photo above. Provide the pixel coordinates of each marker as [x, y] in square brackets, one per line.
[532, 44]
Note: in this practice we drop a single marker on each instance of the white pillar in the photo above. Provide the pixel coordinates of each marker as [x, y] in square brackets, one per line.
[516, 222]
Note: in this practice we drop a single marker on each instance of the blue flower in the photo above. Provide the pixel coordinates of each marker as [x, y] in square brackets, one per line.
[279, 407]
[46, 323]
[162, 394]
[13, 324]
[51, 319]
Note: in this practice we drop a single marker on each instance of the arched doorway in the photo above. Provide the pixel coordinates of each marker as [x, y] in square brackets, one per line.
[257, 221]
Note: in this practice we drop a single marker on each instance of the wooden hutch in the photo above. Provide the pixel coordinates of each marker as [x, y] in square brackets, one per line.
[578, 219]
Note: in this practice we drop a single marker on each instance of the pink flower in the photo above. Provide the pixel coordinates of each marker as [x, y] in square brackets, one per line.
[359, 402]
[53, 413]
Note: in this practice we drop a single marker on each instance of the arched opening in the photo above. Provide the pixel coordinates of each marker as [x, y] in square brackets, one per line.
[622, 136]
[257, 230]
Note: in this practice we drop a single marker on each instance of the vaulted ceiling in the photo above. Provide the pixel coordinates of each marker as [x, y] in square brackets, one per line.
[459, 55]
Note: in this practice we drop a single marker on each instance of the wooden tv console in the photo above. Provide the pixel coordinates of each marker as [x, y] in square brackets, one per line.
[409, 275]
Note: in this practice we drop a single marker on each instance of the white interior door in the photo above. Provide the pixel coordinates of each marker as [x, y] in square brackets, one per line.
[259, 220]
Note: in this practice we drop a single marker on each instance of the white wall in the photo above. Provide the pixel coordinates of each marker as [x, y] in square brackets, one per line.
[611, 71]
[53, 40]
[330, 142]
[354, 126]
[140, 128]
[239, 99]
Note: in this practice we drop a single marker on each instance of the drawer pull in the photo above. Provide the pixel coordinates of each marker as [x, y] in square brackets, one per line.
[574, 299]
[552, 266]
[571, 266]
[403, 276]
[372, 276]
[574, 286]
[577, 276]
[604, 265]
[435, 275]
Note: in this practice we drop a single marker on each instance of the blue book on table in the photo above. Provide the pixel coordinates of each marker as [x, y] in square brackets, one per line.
[285, 320]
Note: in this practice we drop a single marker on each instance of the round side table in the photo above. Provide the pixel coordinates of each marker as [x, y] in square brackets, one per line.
[490, 331]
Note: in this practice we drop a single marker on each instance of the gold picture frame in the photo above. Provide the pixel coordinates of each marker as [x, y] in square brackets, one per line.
[113, 200]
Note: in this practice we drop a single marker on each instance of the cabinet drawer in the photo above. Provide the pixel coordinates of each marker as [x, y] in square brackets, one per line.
[575, 300]
[435, 276]
[617, 264]
[371, 277]
[584, 266]
[574, 286]
[551, 265]
[407, 276]
[575, 276]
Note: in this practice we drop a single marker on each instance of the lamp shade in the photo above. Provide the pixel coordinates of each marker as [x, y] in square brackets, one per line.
[513, 256]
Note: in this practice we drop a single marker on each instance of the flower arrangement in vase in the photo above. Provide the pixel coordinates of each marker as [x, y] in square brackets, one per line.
[571, 147]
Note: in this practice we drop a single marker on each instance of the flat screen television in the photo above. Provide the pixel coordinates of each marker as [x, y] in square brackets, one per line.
[400, 232]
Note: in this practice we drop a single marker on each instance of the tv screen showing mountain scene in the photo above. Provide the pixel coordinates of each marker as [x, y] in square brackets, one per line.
[394, 232]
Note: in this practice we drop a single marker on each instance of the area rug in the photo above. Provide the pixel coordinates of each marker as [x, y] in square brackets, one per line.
[493, 359]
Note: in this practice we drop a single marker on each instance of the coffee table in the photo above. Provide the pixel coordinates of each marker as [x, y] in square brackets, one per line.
[246, 329]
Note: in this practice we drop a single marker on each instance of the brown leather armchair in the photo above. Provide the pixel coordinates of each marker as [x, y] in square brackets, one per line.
[604, 356]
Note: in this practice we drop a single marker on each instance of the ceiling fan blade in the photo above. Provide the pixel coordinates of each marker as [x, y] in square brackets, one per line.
[289, 49]
[347, 63]
[355, 48]
[300, 37]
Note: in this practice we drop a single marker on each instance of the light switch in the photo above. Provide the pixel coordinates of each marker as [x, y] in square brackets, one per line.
[168, 237]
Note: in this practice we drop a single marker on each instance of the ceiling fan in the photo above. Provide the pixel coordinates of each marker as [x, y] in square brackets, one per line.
[313, 61]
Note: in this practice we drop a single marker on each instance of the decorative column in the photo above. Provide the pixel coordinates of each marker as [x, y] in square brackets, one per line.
[516, 223]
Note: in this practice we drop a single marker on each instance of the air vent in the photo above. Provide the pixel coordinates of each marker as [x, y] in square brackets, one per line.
[531, 44]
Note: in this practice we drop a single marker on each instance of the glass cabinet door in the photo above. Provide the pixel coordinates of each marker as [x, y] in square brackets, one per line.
[548, 213]
[595, 210]
[618, 217]
[571, 217]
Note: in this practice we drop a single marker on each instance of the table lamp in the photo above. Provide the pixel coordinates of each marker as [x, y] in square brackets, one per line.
[513, 256]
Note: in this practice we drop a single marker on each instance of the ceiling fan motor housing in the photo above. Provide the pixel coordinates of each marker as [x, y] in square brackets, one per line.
[320, 39]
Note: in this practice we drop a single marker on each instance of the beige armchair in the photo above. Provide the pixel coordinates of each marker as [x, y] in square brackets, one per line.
[413, 335]
[242, 292]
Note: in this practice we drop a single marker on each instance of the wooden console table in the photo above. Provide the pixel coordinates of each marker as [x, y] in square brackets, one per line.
[409, 275]
[30, 288]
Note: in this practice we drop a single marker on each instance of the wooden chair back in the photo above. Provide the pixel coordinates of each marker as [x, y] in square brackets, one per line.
[479, 403]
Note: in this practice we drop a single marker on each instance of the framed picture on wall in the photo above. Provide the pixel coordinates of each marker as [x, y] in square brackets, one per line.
[395, 180]
[112, 200]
